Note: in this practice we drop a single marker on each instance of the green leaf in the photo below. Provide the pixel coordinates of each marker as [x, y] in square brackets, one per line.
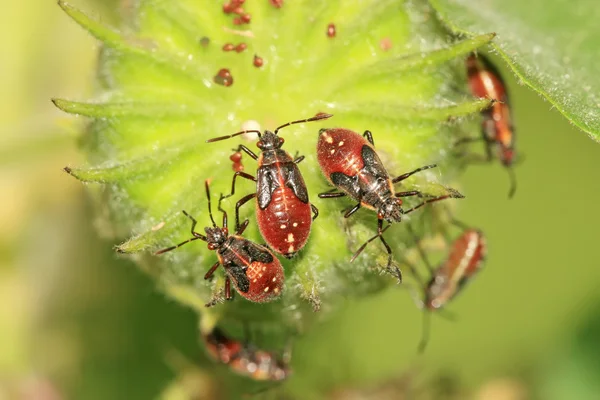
[551, 46]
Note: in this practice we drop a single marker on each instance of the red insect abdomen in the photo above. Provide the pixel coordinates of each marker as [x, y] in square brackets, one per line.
[340, 150]
[285, 223]
[466, 254]
[266, 281]
[483, 82]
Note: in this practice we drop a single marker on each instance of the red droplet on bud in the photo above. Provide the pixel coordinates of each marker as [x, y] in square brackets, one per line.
[258, 61]
[223, 77]
[241, 47]
[331, 30]
[385, 44]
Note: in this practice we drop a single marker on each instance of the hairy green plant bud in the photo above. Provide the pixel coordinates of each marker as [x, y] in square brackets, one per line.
[388, 66]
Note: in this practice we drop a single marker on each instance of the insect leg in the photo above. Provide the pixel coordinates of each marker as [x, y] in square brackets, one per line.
[240, 203]
[331, 194]
[352, 210]
[247, 151]
[228, 295]
[212, 270]
[243, 175]
[406, 175]
[315, 211]
[369, 137]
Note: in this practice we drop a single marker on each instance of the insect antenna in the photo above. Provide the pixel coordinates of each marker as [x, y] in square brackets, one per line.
[179, 245]
[232, 135]
[196, 235]
[220, 208]
[315, 118]
[209, 208]
[361, 248]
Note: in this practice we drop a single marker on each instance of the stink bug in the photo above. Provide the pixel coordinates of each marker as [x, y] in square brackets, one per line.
[465, 259]
[349, 162]
[245, 359]
[498, 131]
[283, 212]
[256, 273]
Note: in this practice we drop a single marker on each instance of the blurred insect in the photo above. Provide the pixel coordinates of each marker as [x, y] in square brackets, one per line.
[498, 131]
[283, 211]
[465, 259]
[256, 273]
[350, 163]
[245, 359]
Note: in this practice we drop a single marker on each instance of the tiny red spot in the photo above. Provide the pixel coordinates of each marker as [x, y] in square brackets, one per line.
[246, 18]
[223, 77]
[277, 3]
[258, 61]
[385, 44]
[237, 21]
[241, 47]
[228, 8]
[331, 30]
[236, 159]
[228, 47]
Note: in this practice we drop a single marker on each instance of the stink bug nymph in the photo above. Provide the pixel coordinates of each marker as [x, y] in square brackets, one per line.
[465, 259]
[256, 273]
[349, 162]
[283, 210]
[498, 132]
[245, 359]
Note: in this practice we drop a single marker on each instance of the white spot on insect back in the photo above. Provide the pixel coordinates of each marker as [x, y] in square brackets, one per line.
[295, 224]
[274, 279]
[276, 290]
[290, 238]
[267, 289]
[283, 226]
[341, 143]
[328, 138]
[291, 248]
[332, 151]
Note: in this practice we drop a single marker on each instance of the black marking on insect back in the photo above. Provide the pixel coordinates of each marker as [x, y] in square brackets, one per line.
[348, 184]
[372, 163]
[238, 274]
[266, 183]
[293, 180]
[258, 253]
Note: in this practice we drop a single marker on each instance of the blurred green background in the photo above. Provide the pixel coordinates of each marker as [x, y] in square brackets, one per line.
[76, 321]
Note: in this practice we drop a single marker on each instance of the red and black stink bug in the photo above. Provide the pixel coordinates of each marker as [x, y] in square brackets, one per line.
[349, 162]
[256, 273]
[245, 359]
[498, 131]
[465, 259]
[283, 211]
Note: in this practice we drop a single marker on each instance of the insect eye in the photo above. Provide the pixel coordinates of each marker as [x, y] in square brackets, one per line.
[259, 144]
[281, 141]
